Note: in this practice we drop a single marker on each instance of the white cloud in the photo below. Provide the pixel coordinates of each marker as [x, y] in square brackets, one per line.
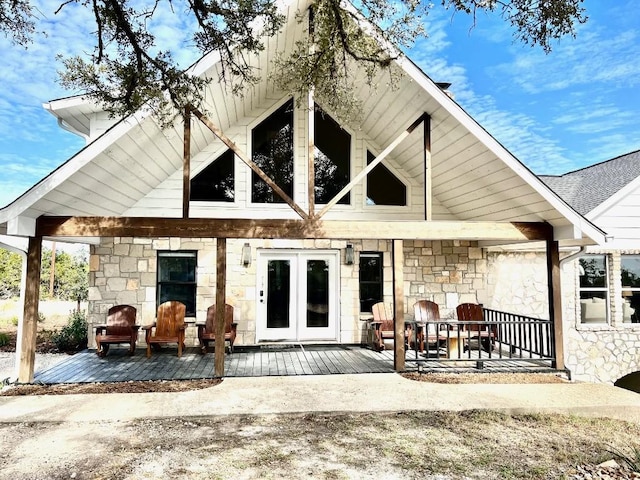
[596, 56]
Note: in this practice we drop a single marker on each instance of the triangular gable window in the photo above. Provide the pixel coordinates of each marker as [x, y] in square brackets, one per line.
[272, 151]
[215, 182]
[383, 187]
[332, 158]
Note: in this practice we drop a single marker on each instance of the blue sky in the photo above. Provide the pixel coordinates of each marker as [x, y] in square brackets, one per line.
[574, 107]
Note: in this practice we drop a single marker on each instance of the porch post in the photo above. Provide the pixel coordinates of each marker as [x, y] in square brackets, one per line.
[555, 300]
[398, 305]
[221, 282]
[26, 340]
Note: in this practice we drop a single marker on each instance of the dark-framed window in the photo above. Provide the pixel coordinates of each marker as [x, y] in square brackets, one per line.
[272, 151]
[383, 187]
[176, 278]
[332, 158]
[371, 281]
[594, 289]
[630, 266]
[215, 183]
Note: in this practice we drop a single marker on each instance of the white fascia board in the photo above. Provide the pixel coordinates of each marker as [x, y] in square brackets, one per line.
[14, 244]
[59, 108]
[457, 112]
[68, 102]
[71, 166]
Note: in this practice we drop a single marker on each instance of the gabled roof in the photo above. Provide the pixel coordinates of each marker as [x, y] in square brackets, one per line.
[473, 177]
[587, 188]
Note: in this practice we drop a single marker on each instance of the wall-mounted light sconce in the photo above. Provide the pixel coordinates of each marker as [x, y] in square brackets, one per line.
[349, 254]
[246, 255]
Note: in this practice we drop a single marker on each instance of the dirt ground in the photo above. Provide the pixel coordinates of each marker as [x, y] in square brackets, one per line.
[404, 445]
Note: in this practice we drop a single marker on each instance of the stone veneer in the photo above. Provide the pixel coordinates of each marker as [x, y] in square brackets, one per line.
[601, 353]
[448, 272]
[123, 271]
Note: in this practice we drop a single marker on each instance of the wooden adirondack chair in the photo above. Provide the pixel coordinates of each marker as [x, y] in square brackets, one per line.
[120, 328]
[207, 332]
[383, 324]
[473, 312]
[427, 311]
[169, 327]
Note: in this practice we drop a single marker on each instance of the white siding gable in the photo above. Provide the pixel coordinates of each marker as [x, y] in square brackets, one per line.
[621, 219]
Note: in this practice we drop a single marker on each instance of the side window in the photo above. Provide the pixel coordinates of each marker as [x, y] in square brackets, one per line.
[272, 151]
[177, 278]
[594, 289]
[215, 182]
[630, 288]
[383, 187]
[370, 280]
[332, 158]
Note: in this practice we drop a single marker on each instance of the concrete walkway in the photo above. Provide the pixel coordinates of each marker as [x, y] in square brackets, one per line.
[327, 393]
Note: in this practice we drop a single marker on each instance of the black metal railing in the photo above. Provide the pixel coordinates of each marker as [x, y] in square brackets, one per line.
[499, 337]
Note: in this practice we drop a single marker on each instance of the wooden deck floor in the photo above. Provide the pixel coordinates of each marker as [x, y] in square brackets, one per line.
[117, 366]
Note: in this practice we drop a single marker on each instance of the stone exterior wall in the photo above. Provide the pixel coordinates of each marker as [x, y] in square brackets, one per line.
[601, 353]
[123, 271]
[448, 272]
[517, 283]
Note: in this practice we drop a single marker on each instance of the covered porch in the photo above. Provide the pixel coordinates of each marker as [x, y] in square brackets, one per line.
[521, 344]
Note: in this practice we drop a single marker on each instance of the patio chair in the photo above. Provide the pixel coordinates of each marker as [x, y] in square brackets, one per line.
[169, 327]
[427, 312]
[207, 331]
[473, 312]
[120, 328]
[383, 323]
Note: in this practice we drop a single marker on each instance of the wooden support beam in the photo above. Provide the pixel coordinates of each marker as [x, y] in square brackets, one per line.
[27, 333]
[221, 298]
[398, 305]
[291, 229]
[555, 300]
[186, 163]
[311, 182]
[428, 193]
[250, 163]
[363, 173]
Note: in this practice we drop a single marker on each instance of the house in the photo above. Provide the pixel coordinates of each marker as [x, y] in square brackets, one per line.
[298, 221]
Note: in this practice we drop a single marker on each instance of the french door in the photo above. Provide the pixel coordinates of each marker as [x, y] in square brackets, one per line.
[297, 295]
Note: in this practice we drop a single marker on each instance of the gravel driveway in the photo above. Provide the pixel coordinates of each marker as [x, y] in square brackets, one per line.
[43, 361]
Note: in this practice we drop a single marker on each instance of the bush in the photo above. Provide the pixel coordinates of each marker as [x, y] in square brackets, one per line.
[73, 336]
[4, 339]
[14, 321]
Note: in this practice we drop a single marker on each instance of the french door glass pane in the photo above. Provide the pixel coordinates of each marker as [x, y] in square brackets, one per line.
[278, 293]
[317, 293]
